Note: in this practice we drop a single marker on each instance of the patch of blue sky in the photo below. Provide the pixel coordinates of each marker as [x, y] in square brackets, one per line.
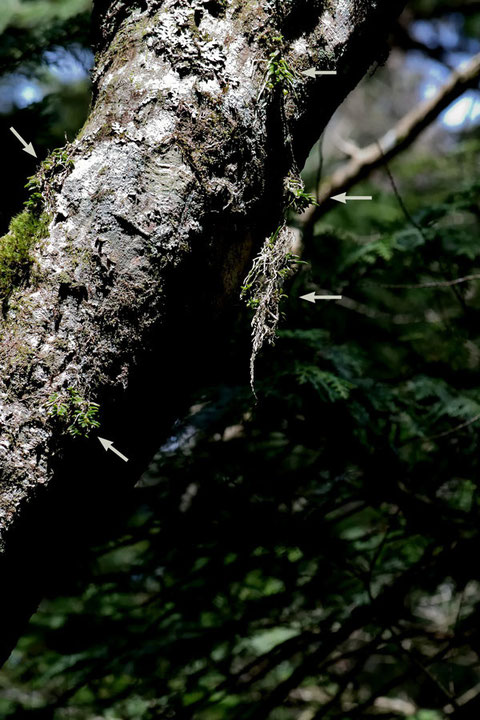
[19, 91]
[463, 112]
[26, 93]
[446, 33]
[69, 65]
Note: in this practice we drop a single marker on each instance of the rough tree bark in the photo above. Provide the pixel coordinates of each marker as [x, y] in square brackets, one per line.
[177, 179]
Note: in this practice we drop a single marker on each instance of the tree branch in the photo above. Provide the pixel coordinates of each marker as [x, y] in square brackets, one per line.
[150, 235]
[405, 132]
[428, 284]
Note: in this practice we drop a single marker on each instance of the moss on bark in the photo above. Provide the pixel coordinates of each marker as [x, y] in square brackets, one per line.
[16, 258]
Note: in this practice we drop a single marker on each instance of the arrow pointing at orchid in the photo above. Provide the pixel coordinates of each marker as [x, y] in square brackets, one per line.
[108, 445]
[344, 198]
[313, 72]
[312, 297]
[27, 147]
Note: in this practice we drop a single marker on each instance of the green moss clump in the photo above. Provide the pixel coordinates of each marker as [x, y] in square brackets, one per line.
[25, 230]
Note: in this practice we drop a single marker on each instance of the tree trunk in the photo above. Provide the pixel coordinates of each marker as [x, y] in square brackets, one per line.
[177, 178]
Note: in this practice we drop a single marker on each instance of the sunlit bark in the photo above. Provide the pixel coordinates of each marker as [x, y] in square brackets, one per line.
[177, 178]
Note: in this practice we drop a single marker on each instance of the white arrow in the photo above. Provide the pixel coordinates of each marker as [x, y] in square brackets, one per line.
[311, 297]
[108, 445]
[343, 197]
[27, 147]
[313, 72]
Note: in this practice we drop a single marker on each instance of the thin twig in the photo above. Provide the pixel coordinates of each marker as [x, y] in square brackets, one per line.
[430, 284]
[455, 429]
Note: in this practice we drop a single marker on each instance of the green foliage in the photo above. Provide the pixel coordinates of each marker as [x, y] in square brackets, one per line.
[31, 225]
[38, 38]
[262, 289]
[297, 199]
[28, 28]
[313, 555]
[335, 387]
[59, 160]
[78, 414]
[35, 202]
[264, 266]
[16, 259]
[30, 14]
[279, 74]
[48, 178]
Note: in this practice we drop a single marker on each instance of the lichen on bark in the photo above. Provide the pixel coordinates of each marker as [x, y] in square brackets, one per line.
[170, 191]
